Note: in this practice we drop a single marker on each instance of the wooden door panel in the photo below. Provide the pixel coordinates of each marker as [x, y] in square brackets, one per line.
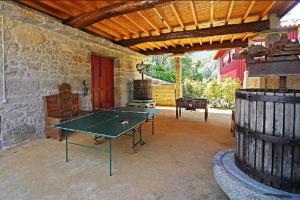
[102, 82]
[107, 81]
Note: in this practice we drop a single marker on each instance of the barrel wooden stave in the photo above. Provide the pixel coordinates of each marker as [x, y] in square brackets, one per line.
[264, 160]
[142, 89]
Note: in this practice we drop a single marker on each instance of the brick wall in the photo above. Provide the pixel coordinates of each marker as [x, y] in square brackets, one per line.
[40, 53]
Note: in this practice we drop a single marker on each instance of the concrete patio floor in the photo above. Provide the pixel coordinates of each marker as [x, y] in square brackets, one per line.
[175, 163]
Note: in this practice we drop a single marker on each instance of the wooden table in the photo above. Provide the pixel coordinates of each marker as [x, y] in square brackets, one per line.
[191, 104]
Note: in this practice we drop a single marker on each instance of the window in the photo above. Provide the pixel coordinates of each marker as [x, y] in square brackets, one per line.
[226, 59]
[232, 51]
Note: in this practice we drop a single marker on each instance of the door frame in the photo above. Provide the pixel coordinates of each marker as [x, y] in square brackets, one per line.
[113, 79]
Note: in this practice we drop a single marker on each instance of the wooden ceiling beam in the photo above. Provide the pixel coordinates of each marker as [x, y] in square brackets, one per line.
[116, 9]
[191, 25]
[72, 5]
[54, 5]
[222, 38]
[177, 16]
[154, 45]
[233, 37]
[210, 40]
[44, 8]
[197, 47]
[248, 11]
[200, 41]
[125, 27]
[190, 42]
[162, 19]
[171, 43]
[164, 44]
[141, 47]
[96, 30]
[149, 22]
[288, 9]
[114, 26]
[135, 48]
[137, 25]
[245, 37]
[265, 12]
[194, 13]
[180, 43]
[148, 46]
[206, 32]
[211, 12]
[229, 12]
[109, 30]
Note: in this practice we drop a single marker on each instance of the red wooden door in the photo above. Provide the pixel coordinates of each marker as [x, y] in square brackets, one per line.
[102, 82]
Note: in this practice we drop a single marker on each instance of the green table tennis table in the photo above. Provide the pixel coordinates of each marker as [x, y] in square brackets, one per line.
[109, 124]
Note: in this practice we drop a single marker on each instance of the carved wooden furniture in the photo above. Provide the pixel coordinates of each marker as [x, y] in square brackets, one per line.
[191, 104]
[60, 107]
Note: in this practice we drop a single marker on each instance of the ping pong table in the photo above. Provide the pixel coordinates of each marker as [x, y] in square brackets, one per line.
[109, 124]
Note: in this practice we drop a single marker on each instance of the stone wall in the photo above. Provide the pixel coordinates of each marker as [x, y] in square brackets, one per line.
[293, 82]
[40, 53]
[164, 94]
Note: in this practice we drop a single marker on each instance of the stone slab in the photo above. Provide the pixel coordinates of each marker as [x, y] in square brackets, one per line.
[238, 185]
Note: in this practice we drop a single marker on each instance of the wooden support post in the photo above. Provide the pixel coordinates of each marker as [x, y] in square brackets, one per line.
[178, 78]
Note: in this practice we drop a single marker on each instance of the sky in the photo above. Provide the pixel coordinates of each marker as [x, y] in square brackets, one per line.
[292, 17]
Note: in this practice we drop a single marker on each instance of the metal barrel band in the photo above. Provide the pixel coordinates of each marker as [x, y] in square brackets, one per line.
[266, 177]
[267, 138]
[263, 98]
[268, 90]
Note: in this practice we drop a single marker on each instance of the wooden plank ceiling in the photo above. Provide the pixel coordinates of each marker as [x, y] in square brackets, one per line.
[167, 26]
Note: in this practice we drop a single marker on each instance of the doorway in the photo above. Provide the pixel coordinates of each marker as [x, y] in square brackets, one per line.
[102, 82]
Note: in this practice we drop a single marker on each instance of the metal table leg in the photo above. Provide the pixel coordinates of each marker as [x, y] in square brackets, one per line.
[66, 136]
[141, 139]
[110, 157]
[153, 125]
[133, 139]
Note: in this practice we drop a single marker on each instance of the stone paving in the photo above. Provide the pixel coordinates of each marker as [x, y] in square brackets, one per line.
[175, 163]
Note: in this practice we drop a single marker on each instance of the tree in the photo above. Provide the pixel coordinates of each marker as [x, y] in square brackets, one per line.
[162, 67]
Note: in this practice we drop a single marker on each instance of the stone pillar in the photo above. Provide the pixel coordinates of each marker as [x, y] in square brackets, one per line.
[178, 78]
[250, 82]
[272, 82]
[274, 23]
[246, 79]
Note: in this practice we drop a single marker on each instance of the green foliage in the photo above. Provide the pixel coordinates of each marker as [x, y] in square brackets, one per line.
[198, 77]
[228, 91]
[193, 88]
[222, 95]
[162, 67]
[213, 90]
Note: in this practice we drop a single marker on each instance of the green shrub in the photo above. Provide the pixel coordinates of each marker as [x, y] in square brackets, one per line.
[193, 88]
[222, 95]
[228, 88]
[213, 91]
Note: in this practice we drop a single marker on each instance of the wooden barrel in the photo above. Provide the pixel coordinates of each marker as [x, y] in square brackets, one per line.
[267, 136]
[142, 89]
